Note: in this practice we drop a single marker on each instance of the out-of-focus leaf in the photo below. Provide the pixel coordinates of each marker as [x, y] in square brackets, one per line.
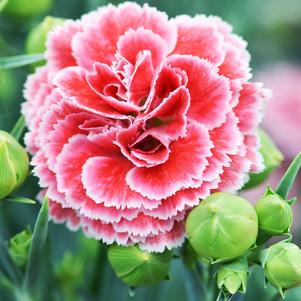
[2, 4]
[18, 128]
[19, 199]
[288, 179]
[36, 248]
[7, 266]
[9, 62]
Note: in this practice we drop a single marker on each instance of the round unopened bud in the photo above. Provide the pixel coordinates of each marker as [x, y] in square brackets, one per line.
[19, 247]
[27, 8]
[275, 215]
[14, 164]
[282, 265]
[223, 226]
[232, 276]
[137, 268]
[36, 39]
[272, 158]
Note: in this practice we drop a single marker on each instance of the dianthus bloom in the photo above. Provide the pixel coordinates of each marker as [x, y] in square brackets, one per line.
[135, 118]
[283, 122]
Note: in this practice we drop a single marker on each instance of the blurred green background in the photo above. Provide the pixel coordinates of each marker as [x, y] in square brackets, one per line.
[272, 29]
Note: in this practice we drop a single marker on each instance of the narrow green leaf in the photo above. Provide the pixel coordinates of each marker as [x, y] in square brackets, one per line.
[20, 60]
[288, 179]
[36, 248]
[19, 199]
[7, 266]
[18, 129]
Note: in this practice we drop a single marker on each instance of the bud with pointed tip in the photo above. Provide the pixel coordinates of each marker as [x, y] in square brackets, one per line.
[19, 247]
[275, 215]
[14, 164]
[223, 226]
[282, 265]
[137, 268]
[232, 276]
[36, 39]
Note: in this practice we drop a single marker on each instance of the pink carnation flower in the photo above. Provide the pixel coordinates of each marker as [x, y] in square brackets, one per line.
[283, 122]
[135, 118]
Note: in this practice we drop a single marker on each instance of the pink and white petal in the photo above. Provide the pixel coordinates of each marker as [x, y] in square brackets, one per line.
[198, 37]
[101, 31]
[227, 140]
[59, 53]
[251, 105]
[167, 80]
[104, 180]
[63, 130]
[136, 41]
[165, 240]
[60, 215]
[179, 171]
[210, 93]
[143, 225]
[72, 83]
[253, 144]
[172, 114]
[69, 166]
[236, 175]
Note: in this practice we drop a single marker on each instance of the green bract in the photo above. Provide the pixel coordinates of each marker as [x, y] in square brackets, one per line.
[275, 215]
[232, 276]
[27, 8]
[14, 164]
[137, 268]
[223, 226]
[272, 157]
[36, 39]
[282, 265]
[19, 247]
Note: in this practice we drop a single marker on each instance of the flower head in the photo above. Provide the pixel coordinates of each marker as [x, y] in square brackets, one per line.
[135, 118]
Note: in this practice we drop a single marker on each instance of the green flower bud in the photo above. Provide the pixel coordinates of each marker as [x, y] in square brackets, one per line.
[19, 247]
[272, 158]
[137, 268]
[282, 265]
[232, 276]
[223, 226]
[27, 8]
[36, 39]
[13, 164]
[275, 215]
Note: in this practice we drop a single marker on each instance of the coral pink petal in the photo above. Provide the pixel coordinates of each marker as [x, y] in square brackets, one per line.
[104, 181]
[179, 171]
[198, 37]
[209, 93]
